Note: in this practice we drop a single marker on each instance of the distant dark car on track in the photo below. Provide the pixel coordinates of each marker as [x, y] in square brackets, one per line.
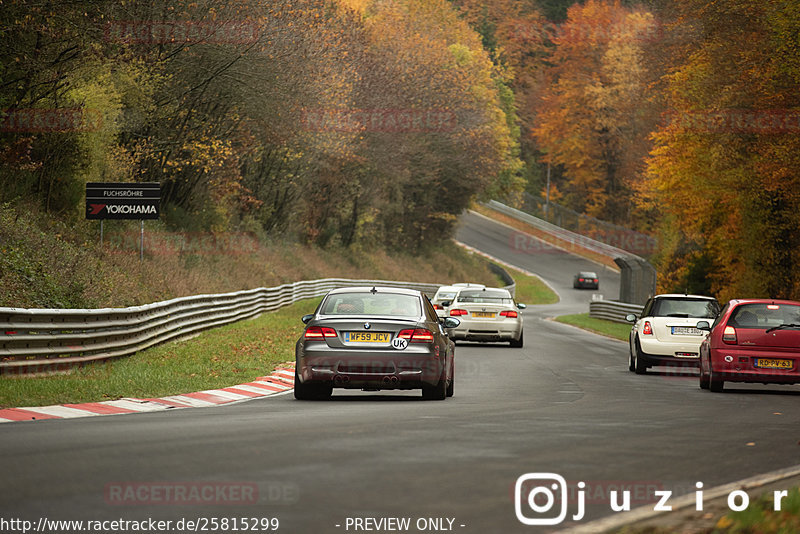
[753, 340]
[586, 280]
[374, 339]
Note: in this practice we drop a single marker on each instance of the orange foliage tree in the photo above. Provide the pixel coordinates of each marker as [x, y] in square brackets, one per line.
[724, 172]
[593, 112]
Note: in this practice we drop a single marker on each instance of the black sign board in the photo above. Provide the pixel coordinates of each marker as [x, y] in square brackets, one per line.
[122, 200]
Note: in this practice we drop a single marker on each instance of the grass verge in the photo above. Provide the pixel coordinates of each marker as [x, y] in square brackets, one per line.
[222, 357]
[759, 517]
[531, 289]
[598, 326]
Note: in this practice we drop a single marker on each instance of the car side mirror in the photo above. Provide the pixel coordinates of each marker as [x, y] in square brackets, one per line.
[451, 322]
[703, 325]
[521, 306]
[631, 318]
[307, 318]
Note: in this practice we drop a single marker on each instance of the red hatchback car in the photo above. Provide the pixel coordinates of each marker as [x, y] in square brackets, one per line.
[753, 340]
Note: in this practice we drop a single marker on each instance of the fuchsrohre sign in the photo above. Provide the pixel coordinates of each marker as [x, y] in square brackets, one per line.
[122, 200]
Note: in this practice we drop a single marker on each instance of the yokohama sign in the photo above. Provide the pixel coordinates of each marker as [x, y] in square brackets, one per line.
[122, 200]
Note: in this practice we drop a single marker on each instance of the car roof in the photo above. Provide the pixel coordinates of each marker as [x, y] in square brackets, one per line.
[684, 296]
[468, 284]
[764, 301]
[378, 289]
[449, 288]
[482, 289]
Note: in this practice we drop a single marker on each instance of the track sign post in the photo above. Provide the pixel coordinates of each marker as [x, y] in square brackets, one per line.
[128, 201]
[137, 201]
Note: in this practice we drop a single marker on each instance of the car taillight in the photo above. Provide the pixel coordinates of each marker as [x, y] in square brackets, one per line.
[595, 280]
[416, 335]
[508, 313]
[319, 332]
[647, 330]
[729, 335]
[457, 312]
[581, 280]
[437, 307]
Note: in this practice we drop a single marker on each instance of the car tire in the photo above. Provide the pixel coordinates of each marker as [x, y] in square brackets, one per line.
[631, 361]
[639, 366]
[517, 343]
[311, 391]
[451, 386]
[704, 377]
[714, 383]
[436, 392]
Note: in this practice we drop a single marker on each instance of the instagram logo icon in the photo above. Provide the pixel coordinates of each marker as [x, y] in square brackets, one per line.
[541, 499]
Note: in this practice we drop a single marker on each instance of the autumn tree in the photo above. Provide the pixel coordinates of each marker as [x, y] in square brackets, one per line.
[723, 174]
[593, 113]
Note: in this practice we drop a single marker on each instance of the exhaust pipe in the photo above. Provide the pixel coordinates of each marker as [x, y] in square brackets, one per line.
[386, 380]
[337, 380]
[395, 380]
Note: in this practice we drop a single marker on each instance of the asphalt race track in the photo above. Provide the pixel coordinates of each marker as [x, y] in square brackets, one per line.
[565, 404]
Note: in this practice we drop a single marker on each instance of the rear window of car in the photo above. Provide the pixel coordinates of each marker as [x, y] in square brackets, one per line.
[678, 307]
[764, 315]
[588, 275]
[488, 296]
[448, 295]
[372, 304]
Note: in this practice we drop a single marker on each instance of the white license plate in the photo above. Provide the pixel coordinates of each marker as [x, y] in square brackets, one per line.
[686, 331]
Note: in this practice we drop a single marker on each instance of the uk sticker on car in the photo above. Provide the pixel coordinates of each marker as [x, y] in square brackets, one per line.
[399, 343]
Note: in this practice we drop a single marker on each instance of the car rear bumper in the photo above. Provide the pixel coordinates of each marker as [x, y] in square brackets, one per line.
[680, 351]
[670, 360]
[496, 329]
[742, 366]
[482, 334]
[584, 285]
[406, 369]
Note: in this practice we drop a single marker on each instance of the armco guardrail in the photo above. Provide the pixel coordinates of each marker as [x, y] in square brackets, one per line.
[42, 340]
[612, 310]
[638, 281]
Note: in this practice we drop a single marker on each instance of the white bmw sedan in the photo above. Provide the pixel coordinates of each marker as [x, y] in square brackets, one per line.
[487, 314]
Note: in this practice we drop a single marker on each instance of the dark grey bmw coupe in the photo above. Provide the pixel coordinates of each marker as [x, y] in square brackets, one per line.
[377, 338]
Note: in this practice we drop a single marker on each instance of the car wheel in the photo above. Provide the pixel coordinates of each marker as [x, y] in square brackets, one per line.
[517, 343]
[436, 392]
[631, 361]
[311, 391]
[704, 377]
[639, 366]
[451, 385]
[714, 382]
